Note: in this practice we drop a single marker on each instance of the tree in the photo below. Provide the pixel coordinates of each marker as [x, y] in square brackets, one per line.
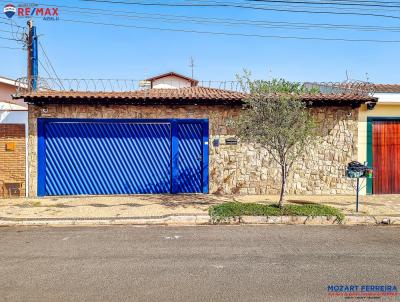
[278, 119]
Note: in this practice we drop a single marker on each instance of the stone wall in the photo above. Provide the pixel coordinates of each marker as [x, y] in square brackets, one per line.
[242, 168]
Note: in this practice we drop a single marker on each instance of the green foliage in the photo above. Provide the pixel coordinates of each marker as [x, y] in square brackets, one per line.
[275, 117]
[233, 210]
[280, 123]
[274, 86]
[278, 119]
[35, 204]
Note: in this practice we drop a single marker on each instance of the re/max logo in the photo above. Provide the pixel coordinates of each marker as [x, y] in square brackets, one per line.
[37, 11]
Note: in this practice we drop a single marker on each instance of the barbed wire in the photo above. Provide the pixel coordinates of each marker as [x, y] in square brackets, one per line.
[111, 85]
[122, 85]
[348, 87]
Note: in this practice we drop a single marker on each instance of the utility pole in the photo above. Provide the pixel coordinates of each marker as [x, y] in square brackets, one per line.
[33, 68]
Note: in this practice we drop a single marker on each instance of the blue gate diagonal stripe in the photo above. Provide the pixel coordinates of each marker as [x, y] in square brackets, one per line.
[189, 157]
[111, 156]
[107, 158]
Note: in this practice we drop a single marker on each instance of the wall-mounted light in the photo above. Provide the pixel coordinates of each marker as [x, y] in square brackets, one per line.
[371, 105]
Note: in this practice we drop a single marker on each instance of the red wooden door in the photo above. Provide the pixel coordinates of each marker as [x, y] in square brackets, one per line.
[386, 157]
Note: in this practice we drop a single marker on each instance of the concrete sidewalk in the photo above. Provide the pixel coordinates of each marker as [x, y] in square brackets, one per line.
[91, 207]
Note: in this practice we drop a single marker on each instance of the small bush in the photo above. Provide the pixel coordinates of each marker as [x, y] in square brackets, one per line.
[234, 210]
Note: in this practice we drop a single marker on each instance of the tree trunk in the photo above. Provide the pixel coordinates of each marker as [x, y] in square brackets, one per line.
[283, 186]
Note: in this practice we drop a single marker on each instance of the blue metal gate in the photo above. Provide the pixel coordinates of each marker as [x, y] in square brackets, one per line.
[96, 157]
[190, 157]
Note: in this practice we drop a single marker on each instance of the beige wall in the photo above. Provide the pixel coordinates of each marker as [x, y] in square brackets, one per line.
[6, 91]
[238, 169]
[171, 82]
[380, 110]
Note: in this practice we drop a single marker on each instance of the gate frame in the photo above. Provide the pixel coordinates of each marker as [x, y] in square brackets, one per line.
[41, 145]
[370, 157]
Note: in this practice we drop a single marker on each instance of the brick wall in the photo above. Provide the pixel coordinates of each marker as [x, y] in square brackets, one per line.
[12, 161]
[243, 168]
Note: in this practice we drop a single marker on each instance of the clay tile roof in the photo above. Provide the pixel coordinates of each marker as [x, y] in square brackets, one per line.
[387, 88]
[368, 87]
[337, 97]
[188, 95]
[180, 94]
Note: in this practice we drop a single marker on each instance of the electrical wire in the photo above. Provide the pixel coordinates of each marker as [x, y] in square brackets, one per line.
[321, 3]
[10, 39]
[9, 23]
[243, 6]
[50, 64]
[239, 22]
[6, 31]
[9, 47]
[305, 5]
[44, 68]
[231, 34]
[336, 2]
[98, 11]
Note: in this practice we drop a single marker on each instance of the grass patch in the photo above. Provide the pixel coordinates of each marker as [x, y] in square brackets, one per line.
[234, 210]
[35, 204]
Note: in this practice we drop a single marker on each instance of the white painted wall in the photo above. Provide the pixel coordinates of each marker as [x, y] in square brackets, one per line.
[171, 82]
[388, 98]
[15, 114]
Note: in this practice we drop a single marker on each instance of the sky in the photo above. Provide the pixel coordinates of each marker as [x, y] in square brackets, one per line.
[82, 50]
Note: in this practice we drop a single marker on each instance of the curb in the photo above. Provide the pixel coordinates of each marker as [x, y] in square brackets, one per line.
[154, 220]
[200, 220]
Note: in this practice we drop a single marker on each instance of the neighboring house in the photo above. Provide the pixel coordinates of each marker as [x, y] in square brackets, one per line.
[171, 80]
[13, 141]
[379, 139]
[176, 139]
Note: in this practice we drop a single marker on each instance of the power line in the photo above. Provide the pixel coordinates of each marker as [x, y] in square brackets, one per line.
[9, 23]
[8, 47]
[2, 22]
[236, 22]
[10, 39]
[241, 22]
[49, 62]
[367, 1]
[98, 11]
[244, 6]
[307, 4]
[338, 2]
[231, 34]
[44, 68]
[7, 31]
[352, 3]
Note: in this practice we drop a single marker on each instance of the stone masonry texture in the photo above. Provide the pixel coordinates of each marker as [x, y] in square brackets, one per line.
[241, 168]
[12, 159]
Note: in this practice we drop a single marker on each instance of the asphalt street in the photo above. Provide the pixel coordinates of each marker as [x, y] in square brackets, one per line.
[208, 263]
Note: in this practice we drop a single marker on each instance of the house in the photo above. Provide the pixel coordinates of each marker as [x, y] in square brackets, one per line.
[13, 140]
[379, 139]
[171, 80]
[174, 137]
